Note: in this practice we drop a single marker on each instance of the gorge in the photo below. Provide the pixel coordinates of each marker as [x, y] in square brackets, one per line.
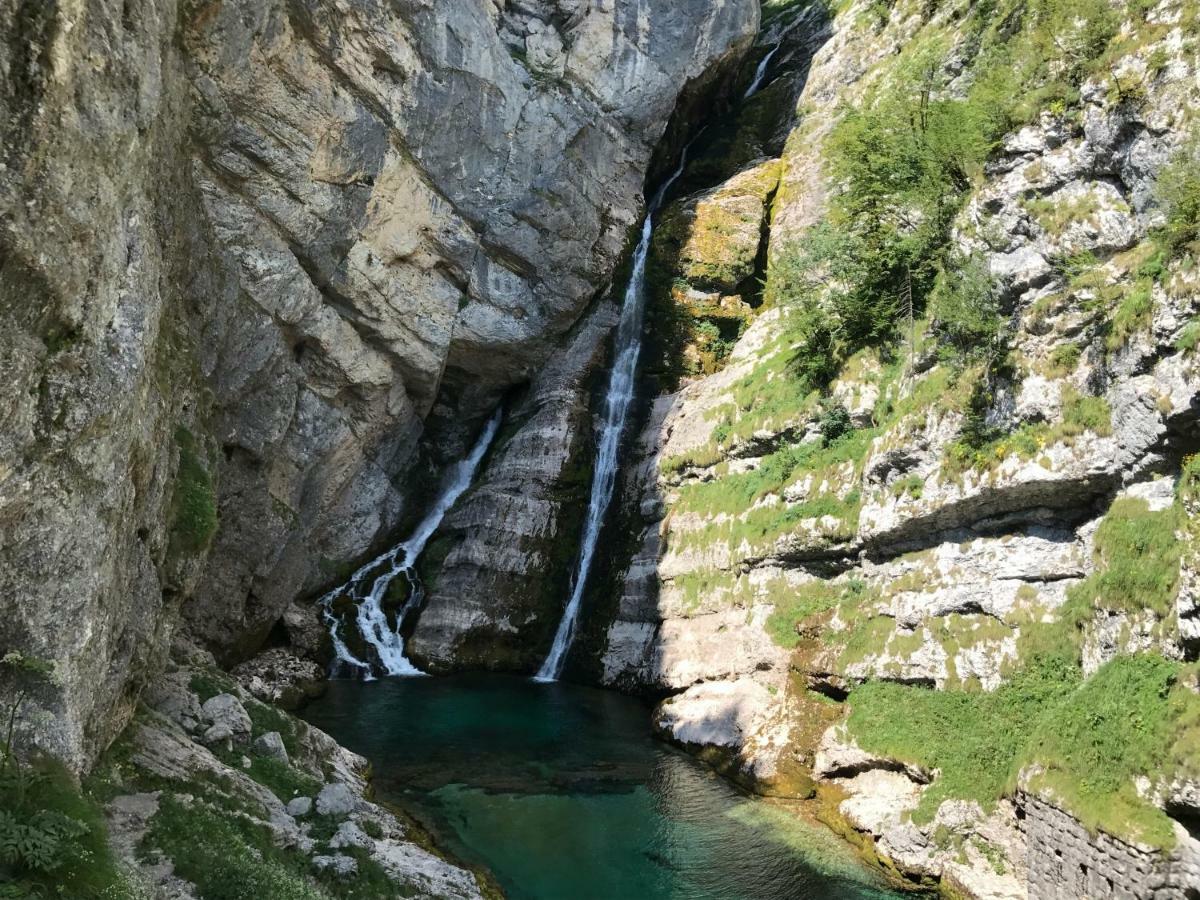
[769, 430]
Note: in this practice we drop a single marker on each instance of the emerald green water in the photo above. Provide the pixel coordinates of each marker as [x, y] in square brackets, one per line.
[562, 793]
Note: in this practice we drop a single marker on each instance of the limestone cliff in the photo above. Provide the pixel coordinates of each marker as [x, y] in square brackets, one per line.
[263, 262]
[824, 575]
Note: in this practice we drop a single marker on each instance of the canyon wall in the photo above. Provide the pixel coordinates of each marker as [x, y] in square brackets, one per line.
[267, 263]
[828, 579]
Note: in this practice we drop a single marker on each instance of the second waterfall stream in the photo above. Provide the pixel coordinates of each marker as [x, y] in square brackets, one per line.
[617, 398]
[367, 587]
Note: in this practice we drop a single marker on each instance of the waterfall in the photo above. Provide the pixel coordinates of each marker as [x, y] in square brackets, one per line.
[367, 586]
[760, 73]
[617, 399]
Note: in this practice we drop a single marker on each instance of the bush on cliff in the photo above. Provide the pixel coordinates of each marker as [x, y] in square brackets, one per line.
[904, 159]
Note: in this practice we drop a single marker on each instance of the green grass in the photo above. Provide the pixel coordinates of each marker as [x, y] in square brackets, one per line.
[974, 738]
[225, 857]
[1189, 337]
[265, 718]
[195, 520]
[795, 605]
[1133, 717]
[909, 486]
[1064, 359]
[1137, 559]
[229, 857]
[1124, 721]
[53, 840]
[284, 781]
[208, 683]
[1133, 315]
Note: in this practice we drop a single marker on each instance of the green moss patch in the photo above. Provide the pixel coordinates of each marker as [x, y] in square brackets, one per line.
[195, 520]
[800, 604]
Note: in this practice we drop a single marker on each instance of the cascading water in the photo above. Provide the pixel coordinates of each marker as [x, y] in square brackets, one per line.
[387, 641]
[760, 73]
[617, 399]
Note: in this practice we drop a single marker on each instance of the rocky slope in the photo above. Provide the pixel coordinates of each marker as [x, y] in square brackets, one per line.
[210, 787]
[267, 263]
[806, 565]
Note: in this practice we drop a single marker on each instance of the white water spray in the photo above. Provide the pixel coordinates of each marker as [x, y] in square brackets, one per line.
[616, 409]
[760, 73]
[380, 572]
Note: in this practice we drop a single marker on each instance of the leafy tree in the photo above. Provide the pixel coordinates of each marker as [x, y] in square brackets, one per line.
[966, 312]
[1178, 192]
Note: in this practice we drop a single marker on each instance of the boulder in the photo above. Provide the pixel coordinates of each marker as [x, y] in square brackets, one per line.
[337, 865]
[271, 745]
[336, 800]
[227, 719]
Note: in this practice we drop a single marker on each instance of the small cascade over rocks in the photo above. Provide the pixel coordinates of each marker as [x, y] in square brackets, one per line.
[617, 398]
[761, 72]
[367, 587]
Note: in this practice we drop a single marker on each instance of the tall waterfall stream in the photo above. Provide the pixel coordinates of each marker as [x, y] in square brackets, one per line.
[617, 400]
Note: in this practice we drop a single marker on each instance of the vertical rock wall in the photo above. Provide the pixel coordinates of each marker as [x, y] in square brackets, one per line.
[257, 258]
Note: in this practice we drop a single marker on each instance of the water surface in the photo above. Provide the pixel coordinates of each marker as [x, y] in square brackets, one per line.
[563, 794]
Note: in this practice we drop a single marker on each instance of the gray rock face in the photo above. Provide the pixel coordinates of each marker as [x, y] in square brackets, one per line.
[337, 800]
[412, 215]
[271, 745]
[336, 864]
[508, 545]
[1066, 861]
[163, 755]
[308, 228]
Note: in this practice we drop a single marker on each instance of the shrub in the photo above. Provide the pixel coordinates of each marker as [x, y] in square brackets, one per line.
[834, 423]
[52, 838]
[1064, 359]
[966, 313]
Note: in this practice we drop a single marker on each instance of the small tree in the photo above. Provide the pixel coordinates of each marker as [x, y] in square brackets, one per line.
[966, 313]
[1178, 192]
